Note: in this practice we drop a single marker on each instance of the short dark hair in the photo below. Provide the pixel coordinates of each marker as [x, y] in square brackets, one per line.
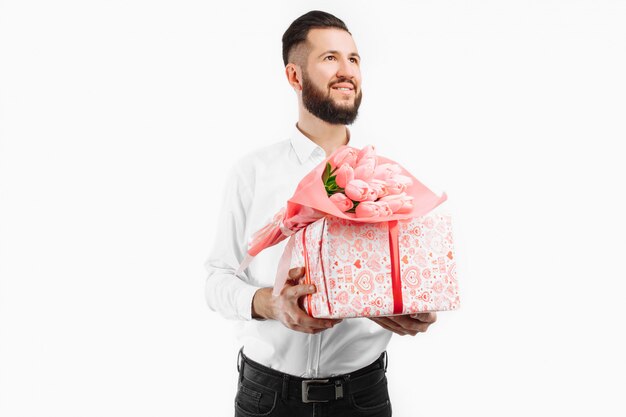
[297, 32]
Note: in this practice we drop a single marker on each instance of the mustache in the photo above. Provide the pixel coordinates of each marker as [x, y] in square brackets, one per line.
[342, 80]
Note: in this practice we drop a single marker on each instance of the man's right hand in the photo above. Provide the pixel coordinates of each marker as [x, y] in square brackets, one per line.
[285, 307]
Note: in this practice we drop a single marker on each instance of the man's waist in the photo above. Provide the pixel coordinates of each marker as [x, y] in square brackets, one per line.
[313, 389]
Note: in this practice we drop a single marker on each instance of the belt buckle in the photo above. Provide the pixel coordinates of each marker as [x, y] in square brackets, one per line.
[305, 390]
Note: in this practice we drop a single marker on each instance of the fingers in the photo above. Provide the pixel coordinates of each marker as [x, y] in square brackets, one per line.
[430, 317]
[300, 321]
[413, 326]
[301, 318]
[297, 291]
[306, 329]
[290, 309]
[320, 324]
[292, 281]
[382, 323]
[393, 326]
[404, 325]
[295, 273]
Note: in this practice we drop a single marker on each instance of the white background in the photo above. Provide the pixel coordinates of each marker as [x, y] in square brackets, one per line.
[118, 119]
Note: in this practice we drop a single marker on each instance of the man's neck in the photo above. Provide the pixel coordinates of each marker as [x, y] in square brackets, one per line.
[328, 136]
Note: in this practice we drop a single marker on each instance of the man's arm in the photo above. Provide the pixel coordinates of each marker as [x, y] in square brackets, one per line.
[232, 296]
[224, 291]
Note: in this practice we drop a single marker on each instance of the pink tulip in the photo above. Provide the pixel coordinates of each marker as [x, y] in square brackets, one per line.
[380, 187]
[407, 207]
[399, 203]
[395, 187]
[372, 195]
[366, 153]
[357, 190]
[394, 202]
[344, 175]
[365, 169]
[398, 184]
[386, 171]
[402, 179]
[384, 209]
[367, 209]
[345, 156]
[342, 202]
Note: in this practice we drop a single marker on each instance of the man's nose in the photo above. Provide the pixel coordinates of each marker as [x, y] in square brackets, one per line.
[346, 69]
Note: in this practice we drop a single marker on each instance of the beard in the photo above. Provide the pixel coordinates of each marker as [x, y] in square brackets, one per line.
[321, 105]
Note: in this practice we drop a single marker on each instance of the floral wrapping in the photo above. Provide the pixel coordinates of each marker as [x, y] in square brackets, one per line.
[350, 265]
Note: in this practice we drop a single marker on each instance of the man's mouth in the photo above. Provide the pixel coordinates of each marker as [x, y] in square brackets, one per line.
[344, 87]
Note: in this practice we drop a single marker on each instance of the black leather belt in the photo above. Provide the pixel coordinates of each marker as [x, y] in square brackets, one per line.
[313, 390]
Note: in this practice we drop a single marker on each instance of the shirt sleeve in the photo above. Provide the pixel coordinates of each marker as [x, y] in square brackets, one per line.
[225, 292]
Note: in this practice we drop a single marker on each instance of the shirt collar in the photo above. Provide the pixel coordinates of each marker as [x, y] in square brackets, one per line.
[305, 147]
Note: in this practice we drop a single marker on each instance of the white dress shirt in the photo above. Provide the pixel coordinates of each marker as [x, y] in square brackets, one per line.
[260, 184]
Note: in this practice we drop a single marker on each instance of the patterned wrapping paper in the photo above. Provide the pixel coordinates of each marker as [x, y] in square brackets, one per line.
[350, 265]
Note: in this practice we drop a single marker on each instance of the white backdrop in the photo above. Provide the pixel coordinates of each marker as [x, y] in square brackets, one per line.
[118, 119]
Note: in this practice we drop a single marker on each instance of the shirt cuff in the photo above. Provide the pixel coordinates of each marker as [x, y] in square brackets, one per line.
[244, 301]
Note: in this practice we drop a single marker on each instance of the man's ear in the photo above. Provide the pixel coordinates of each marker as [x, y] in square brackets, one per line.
[294, 77]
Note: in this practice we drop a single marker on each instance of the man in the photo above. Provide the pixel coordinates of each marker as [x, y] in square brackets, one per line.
[292, 364]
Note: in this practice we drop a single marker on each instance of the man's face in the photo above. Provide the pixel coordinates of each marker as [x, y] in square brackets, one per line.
[331, 79]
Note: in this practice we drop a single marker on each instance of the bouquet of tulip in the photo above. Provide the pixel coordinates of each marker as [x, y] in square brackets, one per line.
[356, 192]
[355, 183]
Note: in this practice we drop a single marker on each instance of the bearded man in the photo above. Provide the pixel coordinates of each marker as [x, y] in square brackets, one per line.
[291, 364]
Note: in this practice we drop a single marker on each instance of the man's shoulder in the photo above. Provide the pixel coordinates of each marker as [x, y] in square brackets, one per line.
[248, 165]
[264, 154]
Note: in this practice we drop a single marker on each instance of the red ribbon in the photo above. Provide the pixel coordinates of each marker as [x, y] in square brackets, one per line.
[307, 279]
[396, 282]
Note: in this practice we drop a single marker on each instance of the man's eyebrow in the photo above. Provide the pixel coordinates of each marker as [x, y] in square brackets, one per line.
[332, 51]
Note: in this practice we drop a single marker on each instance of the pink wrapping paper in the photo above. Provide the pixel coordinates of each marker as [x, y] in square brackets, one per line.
[310, 202]
[350, 263]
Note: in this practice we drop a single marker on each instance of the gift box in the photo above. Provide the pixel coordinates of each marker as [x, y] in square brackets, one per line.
[378, 269]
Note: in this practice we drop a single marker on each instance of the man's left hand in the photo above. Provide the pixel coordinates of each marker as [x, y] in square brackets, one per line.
[409, 324]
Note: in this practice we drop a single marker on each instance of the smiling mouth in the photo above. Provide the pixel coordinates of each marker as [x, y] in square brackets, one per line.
[344, 90]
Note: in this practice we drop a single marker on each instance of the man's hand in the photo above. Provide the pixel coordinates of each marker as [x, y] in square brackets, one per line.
[286, 306]
[408, 324]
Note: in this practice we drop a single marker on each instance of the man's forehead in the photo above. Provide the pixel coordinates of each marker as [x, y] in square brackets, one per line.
[331, 39]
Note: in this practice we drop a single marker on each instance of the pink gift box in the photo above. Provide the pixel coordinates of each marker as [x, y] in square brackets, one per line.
[378, 269]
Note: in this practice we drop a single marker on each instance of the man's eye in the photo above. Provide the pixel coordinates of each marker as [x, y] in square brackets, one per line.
[356, 61]
[330, 57]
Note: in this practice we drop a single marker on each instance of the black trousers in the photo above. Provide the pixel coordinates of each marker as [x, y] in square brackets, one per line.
[263, 391]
